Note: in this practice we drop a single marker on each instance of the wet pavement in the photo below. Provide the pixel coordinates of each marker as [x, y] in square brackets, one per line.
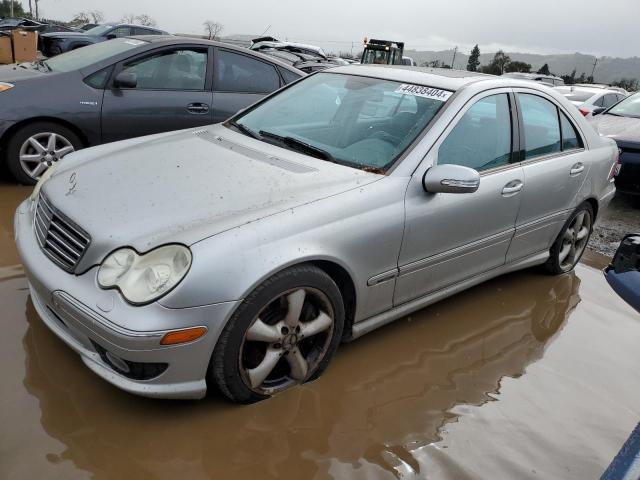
[526, 376]
[622, 217]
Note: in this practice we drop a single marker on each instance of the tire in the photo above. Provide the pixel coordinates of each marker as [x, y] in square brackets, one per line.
[557, 264]
[66, 141]
[239, 361]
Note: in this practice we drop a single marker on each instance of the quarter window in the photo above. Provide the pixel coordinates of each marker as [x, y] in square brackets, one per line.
[540, 125]
[482, 138]
[241, 73]
[570, 137]
[170, 70]
[288, 76]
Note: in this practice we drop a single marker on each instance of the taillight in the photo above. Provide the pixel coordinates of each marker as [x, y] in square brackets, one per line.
[584, 111]
[615, 168]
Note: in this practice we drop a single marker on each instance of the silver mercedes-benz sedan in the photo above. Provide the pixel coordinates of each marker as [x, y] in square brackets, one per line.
[242, 254]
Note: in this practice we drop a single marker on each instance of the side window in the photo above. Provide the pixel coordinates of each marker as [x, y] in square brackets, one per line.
[121, 32]
[570, 137]
[610, 99]
[98, 79]
[541, 126]
[170, 70]
[288, 76]
[482, 137]
[599, 102]
[240, 73]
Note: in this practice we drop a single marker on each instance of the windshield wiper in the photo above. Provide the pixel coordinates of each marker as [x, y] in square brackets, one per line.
[300, 146]
[42, 63]
[244, 129]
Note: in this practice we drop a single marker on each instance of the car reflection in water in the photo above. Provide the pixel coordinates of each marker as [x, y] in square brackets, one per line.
[387, 395]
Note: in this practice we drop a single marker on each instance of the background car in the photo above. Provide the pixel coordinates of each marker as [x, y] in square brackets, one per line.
[591, 100]
[125, 88]
[605, 86]
[270, 42]
[551, 80]
[623, 274]
[622, 123]
[52, 44]
[8, 24]
[301, 61]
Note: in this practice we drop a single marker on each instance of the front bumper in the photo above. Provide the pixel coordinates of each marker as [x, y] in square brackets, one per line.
[91, 321]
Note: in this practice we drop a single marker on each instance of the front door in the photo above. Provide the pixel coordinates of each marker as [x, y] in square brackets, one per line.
[452, 237]
[172, 93]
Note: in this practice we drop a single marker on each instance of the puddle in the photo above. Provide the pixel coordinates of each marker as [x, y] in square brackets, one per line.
[524, 376]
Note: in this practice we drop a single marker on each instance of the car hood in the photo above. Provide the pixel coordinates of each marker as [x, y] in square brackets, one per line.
[185, 186]
[620, 129]
[15, 73]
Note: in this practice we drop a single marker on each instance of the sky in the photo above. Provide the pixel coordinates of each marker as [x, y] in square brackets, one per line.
[534, 26]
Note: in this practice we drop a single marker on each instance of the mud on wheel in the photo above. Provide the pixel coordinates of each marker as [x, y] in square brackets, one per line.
[283, 334]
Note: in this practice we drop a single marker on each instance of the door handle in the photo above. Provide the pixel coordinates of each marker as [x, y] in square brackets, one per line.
[198, 108]
[512, 188]
[577, 169]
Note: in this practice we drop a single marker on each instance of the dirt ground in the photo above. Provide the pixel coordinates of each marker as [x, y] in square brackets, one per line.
[525, 376]
[622, 217]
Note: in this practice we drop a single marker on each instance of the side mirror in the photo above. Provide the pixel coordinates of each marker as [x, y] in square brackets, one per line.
[125, 80]
[598, 111]
[451, 179]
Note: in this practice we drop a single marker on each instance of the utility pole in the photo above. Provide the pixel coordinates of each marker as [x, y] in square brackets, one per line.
[11, 8]
[453, 62]
[594, 70]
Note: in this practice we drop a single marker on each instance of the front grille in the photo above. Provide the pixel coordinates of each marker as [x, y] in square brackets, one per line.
[59, 238]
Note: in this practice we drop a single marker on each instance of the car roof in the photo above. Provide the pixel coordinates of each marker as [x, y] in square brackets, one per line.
[178, 40]
[444, 78]
[594, 90]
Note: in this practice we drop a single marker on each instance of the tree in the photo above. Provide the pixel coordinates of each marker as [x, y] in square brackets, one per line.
[544, 70]
[516, 66]
[5, 9]
[96, 16]
[569, 79]
[474, 60]
[212, 29]
[500, 61]
[128, 18]
[629, 84]
[146, 20]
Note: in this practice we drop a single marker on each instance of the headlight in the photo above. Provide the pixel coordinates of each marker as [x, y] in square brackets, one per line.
[5, 86]
[43, 178]
[144, 278]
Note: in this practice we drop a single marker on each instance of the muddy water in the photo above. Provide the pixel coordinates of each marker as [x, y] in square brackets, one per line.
[525, 376]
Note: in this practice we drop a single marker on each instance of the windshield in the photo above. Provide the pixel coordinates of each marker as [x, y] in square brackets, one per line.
[356, 121]
[629, 107]
[99, 30]
[85, 56]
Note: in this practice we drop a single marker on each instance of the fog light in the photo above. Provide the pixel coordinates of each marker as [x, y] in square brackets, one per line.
[183, 336]
[117, 362]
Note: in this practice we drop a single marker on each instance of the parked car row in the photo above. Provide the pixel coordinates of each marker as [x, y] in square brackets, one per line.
[123, 88]
[8, 24]
[590, 99]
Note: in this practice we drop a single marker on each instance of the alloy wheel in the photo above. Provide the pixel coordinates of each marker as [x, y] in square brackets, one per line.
[41, 151]
[286, 341]
[575, 240]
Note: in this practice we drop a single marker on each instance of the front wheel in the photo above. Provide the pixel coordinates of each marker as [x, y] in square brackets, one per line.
[36, 147]
[571, 242]
[283, 334]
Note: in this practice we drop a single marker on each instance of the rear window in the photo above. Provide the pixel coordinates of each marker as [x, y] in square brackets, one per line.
[85, 56]
[579, 96]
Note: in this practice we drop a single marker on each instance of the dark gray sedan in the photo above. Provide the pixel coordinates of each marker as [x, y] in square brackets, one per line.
[123, 88]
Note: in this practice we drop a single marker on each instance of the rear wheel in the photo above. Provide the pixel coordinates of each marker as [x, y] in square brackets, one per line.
[571, 242]
[283, 334]
[35, 147]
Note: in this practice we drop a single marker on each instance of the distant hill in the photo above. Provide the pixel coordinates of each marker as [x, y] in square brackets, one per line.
[608, 69]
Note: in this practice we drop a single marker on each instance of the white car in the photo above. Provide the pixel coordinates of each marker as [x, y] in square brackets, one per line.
[591, 100]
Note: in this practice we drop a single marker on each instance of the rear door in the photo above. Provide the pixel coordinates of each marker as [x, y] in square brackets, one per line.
[239, 81]
[554, 170]
[173, 92]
